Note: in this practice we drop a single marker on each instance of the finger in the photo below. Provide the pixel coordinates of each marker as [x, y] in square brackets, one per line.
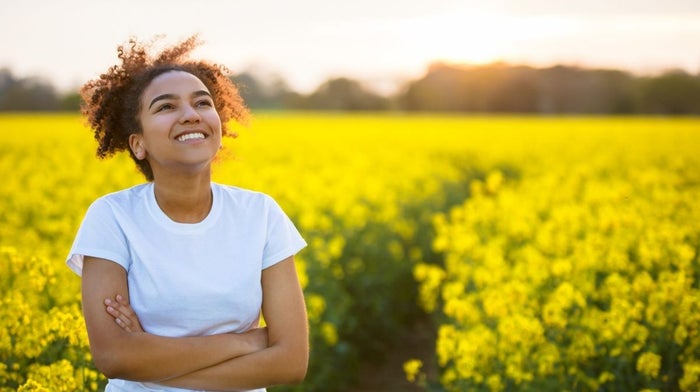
[121, 319]
[126, 320]
[127, 311]
[113, 311]
[121, 323]
[124, 306]
[122, 300]
[116, 306]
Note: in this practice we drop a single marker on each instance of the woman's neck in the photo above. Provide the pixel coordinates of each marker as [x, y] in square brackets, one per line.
[184, 199]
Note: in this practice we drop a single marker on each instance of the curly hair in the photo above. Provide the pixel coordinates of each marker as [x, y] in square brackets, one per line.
[111, 102]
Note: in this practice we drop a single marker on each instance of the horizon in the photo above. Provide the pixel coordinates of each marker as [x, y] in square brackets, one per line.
[386, 89]
[383, 44]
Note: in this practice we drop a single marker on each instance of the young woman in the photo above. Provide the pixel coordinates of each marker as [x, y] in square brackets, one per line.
[176, 271]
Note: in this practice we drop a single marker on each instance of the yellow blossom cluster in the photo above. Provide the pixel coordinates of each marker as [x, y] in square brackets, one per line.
[568, 251]
[581, 273]
[344, 181]
[43, 342]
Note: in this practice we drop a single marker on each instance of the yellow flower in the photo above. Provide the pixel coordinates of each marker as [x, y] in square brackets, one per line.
[329, 333]
[649, 364]
[59, 376]
[430, 277]
[494, 383]
[606, 377]
[315, 305]
[691, 376]
[411, 368]
[33, 386]
[494, 181]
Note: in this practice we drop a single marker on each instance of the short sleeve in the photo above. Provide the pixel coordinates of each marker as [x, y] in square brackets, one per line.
[99, 235]
[283, 238]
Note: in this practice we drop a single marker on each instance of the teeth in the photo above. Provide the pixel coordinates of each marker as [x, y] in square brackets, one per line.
[188, 136]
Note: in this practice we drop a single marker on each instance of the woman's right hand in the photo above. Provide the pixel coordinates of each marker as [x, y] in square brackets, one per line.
[126, 318]
[123, 314]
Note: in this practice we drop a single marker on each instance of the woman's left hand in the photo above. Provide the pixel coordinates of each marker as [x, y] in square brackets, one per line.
[123, 314]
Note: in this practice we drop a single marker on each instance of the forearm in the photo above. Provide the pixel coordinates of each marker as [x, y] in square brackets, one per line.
[145, 357]
[286, 357]
[139, 356]
[275, 365]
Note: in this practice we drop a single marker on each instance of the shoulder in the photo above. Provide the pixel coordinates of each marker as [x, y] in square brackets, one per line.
[243, 197]
[136, 191]
[123, 199]
[256, 205]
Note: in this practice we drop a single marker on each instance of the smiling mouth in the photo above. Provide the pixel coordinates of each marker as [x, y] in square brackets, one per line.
[190, 136]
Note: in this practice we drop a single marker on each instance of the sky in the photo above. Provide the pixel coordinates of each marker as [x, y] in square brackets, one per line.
[381, 42]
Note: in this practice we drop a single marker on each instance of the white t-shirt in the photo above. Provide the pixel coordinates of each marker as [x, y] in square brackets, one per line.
[188, 279]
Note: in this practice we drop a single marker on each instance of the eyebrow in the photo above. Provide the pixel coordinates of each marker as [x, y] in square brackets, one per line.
[195, 94]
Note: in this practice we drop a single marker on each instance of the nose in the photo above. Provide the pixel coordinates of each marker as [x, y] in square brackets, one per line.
[189, 114]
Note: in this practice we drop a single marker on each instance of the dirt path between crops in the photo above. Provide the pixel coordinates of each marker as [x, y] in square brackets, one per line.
[389, 376]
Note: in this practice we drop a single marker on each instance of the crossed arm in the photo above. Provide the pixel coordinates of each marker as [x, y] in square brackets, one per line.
[277, 354]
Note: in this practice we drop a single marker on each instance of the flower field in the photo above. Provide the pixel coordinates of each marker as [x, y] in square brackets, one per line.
[550, 253]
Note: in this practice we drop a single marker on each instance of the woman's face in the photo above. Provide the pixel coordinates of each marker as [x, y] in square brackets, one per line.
[181, 129]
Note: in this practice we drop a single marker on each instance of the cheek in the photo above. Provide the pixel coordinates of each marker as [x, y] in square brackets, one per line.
[214, 121]
[155, 125]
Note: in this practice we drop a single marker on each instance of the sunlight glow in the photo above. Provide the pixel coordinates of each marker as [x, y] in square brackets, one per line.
[481, 37]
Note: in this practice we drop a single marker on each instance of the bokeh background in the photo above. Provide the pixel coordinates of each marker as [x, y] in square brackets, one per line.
[513, 55]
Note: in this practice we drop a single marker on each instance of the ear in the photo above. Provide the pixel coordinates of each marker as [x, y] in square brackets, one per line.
[136, 145]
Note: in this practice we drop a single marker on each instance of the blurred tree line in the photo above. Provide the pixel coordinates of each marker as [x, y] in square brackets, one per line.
[493, 88]
[33, 94]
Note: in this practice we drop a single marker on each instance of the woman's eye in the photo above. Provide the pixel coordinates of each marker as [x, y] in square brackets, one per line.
[165, 106]
[204, 102]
